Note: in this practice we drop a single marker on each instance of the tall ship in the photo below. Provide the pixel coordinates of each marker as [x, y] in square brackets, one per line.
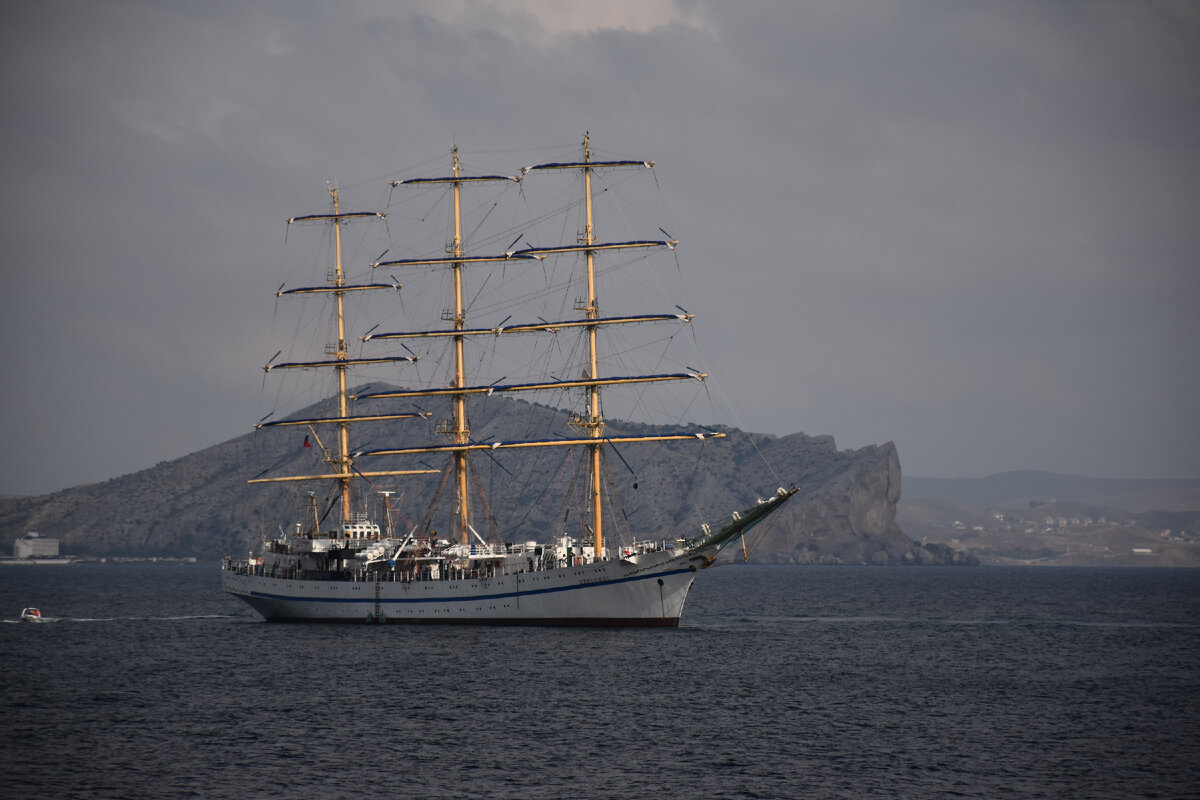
[366, 551]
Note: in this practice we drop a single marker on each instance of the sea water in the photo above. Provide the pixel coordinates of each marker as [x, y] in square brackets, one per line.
[813, 682]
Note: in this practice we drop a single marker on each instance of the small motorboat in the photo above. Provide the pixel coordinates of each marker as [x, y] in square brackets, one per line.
[32, 615]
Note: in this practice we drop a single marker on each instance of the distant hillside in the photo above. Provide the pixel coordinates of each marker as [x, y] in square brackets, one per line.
[200, 505]
[1025, 486]
[1044, 518]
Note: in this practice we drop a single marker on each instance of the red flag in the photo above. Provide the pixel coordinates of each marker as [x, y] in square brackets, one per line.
[306, 444]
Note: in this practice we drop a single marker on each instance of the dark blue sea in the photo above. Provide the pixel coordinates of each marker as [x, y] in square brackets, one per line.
[781, 682]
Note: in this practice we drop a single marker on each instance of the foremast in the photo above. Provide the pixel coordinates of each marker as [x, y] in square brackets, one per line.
[342, 459]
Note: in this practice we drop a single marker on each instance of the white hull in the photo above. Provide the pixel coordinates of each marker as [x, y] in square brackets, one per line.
[612, 593]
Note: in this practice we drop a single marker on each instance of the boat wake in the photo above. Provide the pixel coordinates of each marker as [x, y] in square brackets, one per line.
[777, 621]
[127, 619]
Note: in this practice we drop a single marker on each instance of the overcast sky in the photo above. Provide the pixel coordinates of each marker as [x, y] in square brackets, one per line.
[969, 228]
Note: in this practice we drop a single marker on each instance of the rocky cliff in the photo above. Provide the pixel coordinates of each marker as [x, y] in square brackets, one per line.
[845, 512]
[200, 505]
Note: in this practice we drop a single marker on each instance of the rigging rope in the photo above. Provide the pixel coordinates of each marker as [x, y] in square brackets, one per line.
[620, 521]
[492, 528]
[570, 494]
[690, 493]
[437, 497]
[387, 501]
[547, 488]
[757, 539]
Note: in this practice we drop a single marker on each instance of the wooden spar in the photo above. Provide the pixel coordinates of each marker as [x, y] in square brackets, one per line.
[530, 327]
[346, 476]
[332, 420]
[450, 448]
[365, 287]
[531, 387]
[341, 362]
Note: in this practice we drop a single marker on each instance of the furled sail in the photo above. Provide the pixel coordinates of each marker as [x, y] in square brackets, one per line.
[334, 420]
[594, 247]
[587, 165]
[454, 179]
[345, 287]
[531, 387]
[340, 362]
[459, 448]
[338, 216]
[533, 327]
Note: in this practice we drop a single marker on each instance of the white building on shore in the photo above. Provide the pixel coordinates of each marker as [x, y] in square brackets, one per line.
[34, 545]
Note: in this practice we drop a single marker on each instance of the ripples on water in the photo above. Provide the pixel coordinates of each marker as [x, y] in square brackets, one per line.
[781, 682]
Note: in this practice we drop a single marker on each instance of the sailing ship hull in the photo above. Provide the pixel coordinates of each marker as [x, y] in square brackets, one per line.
[603, 593]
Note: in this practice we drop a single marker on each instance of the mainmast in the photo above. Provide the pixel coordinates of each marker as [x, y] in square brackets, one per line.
[459, 428]
[595, 422]
[341, 353]
[461, 431]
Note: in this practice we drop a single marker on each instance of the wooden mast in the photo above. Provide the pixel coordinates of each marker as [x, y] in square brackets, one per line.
[343, 456]
[461, 431]
[458, 429]
[595, 423]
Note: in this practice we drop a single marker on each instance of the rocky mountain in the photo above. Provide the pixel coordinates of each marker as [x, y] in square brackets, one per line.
[200, 505]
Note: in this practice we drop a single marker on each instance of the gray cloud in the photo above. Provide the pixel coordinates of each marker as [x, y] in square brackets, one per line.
[969, 229]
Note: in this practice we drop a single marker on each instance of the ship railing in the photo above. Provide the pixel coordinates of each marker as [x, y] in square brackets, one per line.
[242, 566]
[645, 546]
[461, 571]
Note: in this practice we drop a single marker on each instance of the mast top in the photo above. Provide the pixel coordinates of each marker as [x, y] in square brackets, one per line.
[455, 177]
[587, 162]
